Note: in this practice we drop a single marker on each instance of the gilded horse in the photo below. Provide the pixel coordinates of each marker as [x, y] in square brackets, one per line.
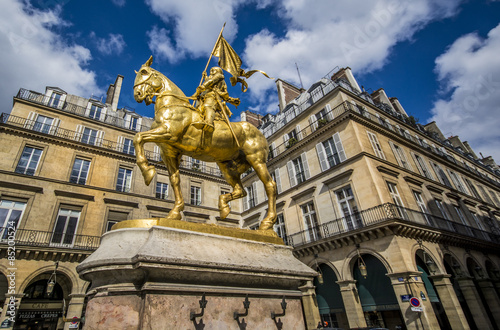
[173, 132]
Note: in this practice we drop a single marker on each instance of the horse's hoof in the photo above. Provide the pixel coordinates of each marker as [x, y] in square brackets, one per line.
[224, 212]
[148, 175]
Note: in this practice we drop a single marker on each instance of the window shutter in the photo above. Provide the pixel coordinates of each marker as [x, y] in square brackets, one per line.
[245, 201]
[313, 121]
[354, 107]
[291, 174]
[278, 179]
[157, 154]
[62, 101]
[255, 193]
[139, 124]
[339, 147]
[395, 153]
[119, 145]
[30, 122]
[127, 121]
[299, 132]
[329, 112]
[320, 149]
[55, 125]
[285, 139]
[78, 134]
[273, 149]
[87, 110]
[103, 113]
[306, 165]
[100, 135]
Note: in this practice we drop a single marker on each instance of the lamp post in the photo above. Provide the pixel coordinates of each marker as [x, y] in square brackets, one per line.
[457, 268]
[428, 261]
[52, 281]
[479, 271]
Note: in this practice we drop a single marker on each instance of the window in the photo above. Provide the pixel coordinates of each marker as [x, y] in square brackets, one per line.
[279, 227]
[55, 100]
[349, 208]
[43, 124]
[310, 222]
[66, 224]
[457, 182]
[422, 206]
[133, 123]
[495, 198]
[442, 209]
[298, 170]
[115, 217]
[471, 187]
[441, 175]
[291, 138]
[422, 166]
[320, 118]
[461, 216]
[161, 190]
[396, 198]
[80, 171]
[128, 147]
[28, 162]
[224, 191]
[195, 195]
[477, 221]
[376, 145]
[124, 180]
[10, 215]
[486, 197]
[95, 111]
[400, 155]
[330, 152]
[89, 136]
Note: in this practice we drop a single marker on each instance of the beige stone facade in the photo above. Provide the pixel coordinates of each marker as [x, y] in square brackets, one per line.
[361, 183]
[67, 174]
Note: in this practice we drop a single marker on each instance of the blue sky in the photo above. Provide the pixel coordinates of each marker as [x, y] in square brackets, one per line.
[440, 58]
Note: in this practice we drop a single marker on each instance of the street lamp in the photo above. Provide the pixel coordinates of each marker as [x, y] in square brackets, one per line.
[320, 276]
[428, 261]
[52, 281]
[457, 268]
[479, 271]
[361, 264]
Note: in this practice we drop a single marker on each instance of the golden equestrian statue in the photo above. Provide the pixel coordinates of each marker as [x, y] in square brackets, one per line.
[235, 147]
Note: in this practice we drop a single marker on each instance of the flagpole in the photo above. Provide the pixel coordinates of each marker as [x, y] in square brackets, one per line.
[211, 54]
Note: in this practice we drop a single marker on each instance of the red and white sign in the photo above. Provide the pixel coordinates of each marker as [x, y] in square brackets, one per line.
[415, 302]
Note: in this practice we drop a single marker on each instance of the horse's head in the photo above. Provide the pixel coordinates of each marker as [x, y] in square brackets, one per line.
[147, 83]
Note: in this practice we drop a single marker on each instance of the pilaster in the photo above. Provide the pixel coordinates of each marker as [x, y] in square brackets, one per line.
[450, 302]
[310, 305]
[352, 304]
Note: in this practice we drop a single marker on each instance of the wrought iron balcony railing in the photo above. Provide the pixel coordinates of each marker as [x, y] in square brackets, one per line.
[123, 148]
[45, 100]
[26, 237]
[383, 213]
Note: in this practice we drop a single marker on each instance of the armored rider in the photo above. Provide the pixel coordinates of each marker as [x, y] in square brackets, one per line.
[213, 96]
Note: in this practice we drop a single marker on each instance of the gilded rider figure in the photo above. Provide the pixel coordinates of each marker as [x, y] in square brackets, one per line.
[213, 96]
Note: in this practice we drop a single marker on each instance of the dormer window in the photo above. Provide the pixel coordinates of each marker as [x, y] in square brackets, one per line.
[95, 111]
[54, 97]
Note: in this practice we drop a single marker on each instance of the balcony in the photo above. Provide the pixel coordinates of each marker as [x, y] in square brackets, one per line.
[381, 214]
[42, 99]
[35, 238]
[87, 139]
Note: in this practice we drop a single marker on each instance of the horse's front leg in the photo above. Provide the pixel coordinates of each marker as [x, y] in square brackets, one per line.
[172, 162]
[154, 135]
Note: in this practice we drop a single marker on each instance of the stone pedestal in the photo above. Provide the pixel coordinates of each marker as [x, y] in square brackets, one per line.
[154, 278]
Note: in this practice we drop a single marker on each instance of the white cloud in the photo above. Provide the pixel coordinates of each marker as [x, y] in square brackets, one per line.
[33, 56]
[196, 26]
[113, 45]
[318, 36]
[118, 3]
[470, 75]
[160, 44]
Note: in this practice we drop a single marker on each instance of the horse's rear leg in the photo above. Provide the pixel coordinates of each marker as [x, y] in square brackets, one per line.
[234, 179]
[260, 168]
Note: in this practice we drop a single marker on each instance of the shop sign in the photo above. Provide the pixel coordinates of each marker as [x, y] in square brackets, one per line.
[36, 314]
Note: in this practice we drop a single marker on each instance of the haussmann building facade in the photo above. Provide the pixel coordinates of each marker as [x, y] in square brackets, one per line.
[384, 208]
